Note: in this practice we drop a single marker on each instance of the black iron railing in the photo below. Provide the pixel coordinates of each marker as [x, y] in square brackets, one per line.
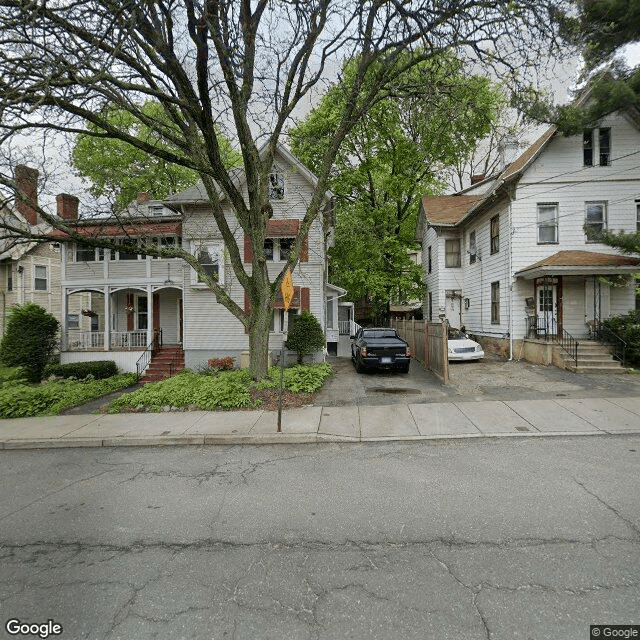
[173, 365]
[144, 360]
[568, 344]
[541, 327]
[608, 336]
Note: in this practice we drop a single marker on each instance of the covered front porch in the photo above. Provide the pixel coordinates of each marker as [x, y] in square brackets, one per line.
[121, 321]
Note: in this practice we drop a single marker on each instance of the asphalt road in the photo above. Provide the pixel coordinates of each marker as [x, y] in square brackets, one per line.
[465, 540]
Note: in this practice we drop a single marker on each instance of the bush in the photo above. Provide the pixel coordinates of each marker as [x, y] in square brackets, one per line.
[302, 377]
[50, 398]
[12, 374]
[99, 369]
[628, 328]
[221, 364]
[29, 340]
[305, 335]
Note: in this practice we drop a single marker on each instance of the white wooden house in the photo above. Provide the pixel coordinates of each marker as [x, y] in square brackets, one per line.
[143, 296]
[508, 258]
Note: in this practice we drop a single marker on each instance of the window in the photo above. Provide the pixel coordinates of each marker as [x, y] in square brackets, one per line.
[548, 223]
[603, 151]
[277, 319]
[604, 144]
[430, 307]
[637, 215]
[40, 278]
[495, 234]
[587, 148]
[285, 248]
[596, 220]
[123, 254]
[210, 257]
[472, 247]
[495, 303]
[428, 259]
[85, 253]
[452, 253]
[268, 248]
[142, 313]
[9, 278]
[73, 321]
[276, 186]
[106, 254]
[156, 209]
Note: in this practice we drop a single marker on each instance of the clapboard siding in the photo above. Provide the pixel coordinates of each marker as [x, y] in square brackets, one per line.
[556, 176]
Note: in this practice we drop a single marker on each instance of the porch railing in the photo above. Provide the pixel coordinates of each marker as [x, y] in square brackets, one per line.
[608, 336]
[143, 361]
[85, 340]
[541, 326]
[128, 339]
[347, 327]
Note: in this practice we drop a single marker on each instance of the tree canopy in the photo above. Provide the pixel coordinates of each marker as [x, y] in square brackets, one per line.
[391, 158]
[120, 171]
[239, 68]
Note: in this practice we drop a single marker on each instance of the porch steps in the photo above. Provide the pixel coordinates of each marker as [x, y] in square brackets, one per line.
[593, 357]
[161, 360]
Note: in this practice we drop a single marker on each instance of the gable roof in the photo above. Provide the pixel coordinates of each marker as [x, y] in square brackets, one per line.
[198, 194]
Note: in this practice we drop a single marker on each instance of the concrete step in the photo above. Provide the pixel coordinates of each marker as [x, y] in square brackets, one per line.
[599, 369]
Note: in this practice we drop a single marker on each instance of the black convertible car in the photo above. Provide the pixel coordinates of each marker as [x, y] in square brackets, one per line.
[379, 348]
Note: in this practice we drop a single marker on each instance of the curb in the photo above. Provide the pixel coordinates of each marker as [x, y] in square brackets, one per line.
[284, 438]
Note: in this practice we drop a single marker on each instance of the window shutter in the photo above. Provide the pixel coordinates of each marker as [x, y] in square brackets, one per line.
[305, 298]
[248, 252]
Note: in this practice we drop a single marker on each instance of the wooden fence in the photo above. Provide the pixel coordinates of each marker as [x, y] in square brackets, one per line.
[428, 342]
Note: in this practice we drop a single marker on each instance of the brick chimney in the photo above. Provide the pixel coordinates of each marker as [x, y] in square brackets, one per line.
[26, 180]
[67, 206]
[477, 178]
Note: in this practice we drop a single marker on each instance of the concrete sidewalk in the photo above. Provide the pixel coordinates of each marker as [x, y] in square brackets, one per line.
[557, 417]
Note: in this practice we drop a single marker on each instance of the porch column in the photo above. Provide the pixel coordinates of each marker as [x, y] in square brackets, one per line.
[63, 321]
[107, 319]
[149, 311]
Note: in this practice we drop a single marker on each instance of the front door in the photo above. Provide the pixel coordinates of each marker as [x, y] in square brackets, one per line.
[453, 307]
[547, 309]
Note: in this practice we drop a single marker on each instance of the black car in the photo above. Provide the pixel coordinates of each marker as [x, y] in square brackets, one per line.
[379, 348]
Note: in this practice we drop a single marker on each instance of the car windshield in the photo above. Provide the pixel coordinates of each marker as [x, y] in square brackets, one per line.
[379, 333]
[457, 334]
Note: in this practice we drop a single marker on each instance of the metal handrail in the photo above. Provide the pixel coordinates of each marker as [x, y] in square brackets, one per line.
[172, 364]
[143, 361]
[606, 335]
[568, 343]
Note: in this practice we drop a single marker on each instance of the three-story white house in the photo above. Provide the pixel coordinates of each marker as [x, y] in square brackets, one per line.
[509, 259]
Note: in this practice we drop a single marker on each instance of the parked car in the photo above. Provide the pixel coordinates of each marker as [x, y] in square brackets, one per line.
[379, 348]
[461, 347]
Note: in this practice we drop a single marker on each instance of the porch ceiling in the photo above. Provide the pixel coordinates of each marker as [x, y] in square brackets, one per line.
[580, 263]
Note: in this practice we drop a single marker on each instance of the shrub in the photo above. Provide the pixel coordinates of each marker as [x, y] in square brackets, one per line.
[99, 369]
[221, 364]
[29, 340]
[305, 335]
[628, 328]
[302, 377]
[50, 398]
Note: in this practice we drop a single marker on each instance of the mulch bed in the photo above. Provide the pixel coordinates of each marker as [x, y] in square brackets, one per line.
[290, 400]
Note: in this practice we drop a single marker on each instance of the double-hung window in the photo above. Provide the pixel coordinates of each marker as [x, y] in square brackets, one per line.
[595, 220]
[278, 248]
[596, 147]
[40, 278]
[276, 185]
[452, 252]
[495, 303]
[211, 259]
[472, 247]
[494, 229]
[637, 215]
[85, 253]
[548, 223]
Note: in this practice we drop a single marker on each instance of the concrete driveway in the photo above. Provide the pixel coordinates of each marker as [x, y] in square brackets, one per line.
[489, 379]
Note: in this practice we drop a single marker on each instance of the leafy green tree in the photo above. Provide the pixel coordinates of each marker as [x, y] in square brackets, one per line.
[120, 171]
[393, 157]
[305, 335]
[29, 340]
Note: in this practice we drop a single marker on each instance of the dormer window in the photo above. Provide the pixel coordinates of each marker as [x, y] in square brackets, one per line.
[596, 146]
[276, 185]
[156, 209]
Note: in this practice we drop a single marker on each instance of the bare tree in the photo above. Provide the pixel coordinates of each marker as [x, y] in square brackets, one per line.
[238, 68]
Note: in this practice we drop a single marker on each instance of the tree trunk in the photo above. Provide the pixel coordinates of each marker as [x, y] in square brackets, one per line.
[259, 341]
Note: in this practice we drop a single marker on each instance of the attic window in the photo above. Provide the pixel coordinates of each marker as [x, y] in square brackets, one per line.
[276, 185]
[156, 209]
[601, 153]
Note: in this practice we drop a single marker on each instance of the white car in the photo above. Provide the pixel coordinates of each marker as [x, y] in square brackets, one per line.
[463, 348]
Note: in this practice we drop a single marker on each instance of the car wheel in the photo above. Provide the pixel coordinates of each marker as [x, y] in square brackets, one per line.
[359, 366]
[404, 369]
